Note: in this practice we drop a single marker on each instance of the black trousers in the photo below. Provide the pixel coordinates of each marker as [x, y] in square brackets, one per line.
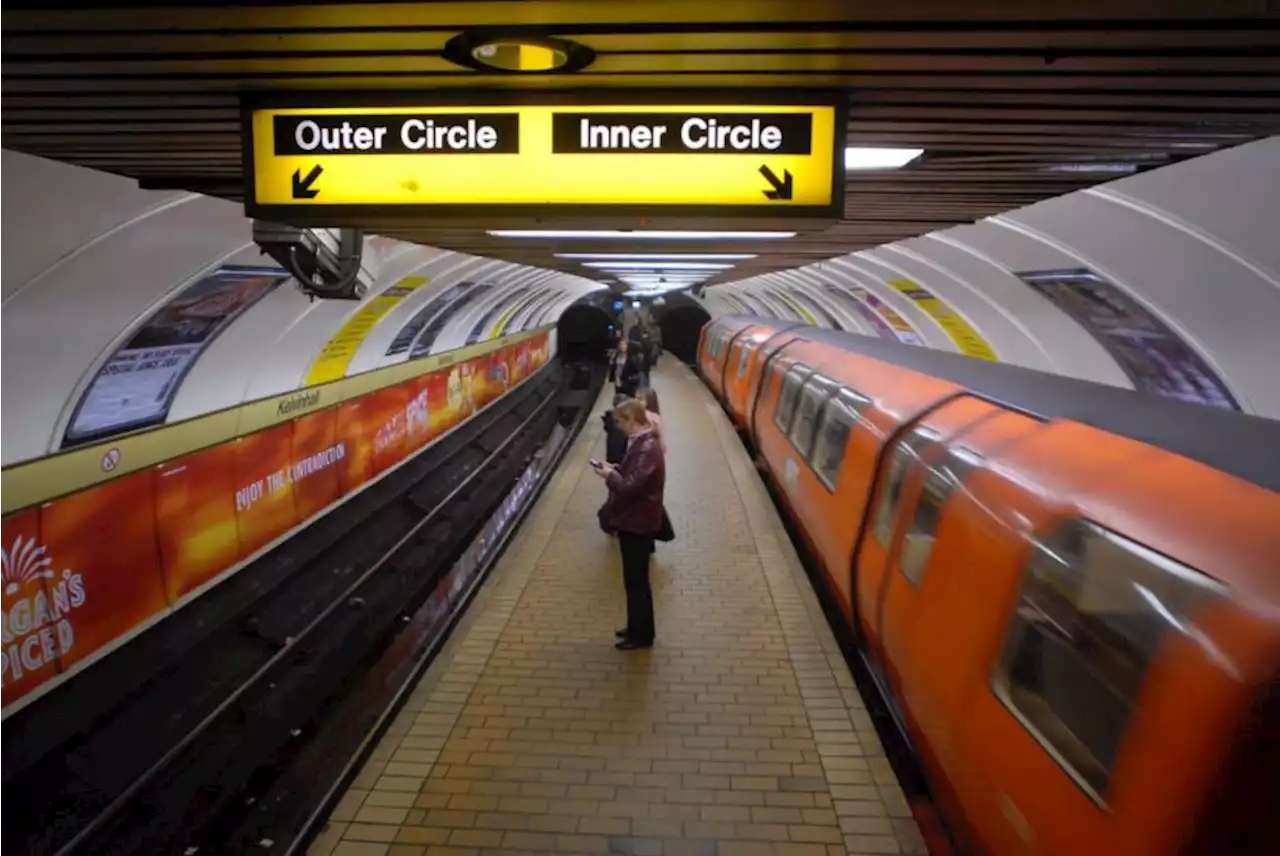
[636, 550]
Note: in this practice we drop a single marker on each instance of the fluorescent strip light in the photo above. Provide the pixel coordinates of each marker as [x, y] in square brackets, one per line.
[1103, 168]
[872, 157]
[658, 278]
[640, 235]
[657, 265]
[672, 257]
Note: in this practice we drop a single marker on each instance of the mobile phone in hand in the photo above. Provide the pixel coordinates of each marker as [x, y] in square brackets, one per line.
[595, 463]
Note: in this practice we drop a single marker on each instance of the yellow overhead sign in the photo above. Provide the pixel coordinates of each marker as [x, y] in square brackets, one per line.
[722, 157]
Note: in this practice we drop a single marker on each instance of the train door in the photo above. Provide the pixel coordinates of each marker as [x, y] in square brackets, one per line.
[736, 374]
[764, 378]
[874, 554]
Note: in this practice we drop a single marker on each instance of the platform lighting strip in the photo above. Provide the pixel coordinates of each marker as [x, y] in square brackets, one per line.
[666, 257]
[663, 281]
[658, 277]
[680, 283]
[875, 157]
[641, 234]
[661, 278]
[658, 265]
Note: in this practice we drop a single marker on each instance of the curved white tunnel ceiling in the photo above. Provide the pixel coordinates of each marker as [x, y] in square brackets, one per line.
[90, 257]
[1169, 279]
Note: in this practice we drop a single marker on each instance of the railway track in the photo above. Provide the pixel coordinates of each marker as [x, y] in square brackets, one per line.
[231, 746]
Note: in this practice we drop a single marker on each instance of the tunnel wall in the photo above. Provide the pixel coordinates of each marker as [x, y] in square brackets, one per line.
[89, 256]
[293, 408]
[1192, 246]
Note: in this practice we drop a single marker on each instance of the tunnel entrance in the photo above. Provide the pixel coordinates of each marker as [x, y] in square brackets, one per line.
[583, 333]
[681, 326]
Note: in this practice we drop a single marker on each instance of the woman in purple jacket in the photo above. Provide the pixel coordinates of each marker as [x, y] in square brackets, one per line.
[636, 513]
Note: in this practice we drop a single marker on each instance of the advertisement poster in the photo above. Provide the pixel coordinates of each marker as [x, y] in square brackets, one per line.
[801, 308]
[338, 352]
[857, 307]
[480, 331]
[503, 327]
[426, 341]
[136, 386]
[1154, 357]
[525, 319]
[415, 325]
[900, 326]
[967, 339]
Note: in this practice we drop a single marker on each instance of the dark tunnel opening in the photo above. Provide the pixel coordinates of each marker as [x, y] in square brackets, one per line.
[582, 333]
[681, 326]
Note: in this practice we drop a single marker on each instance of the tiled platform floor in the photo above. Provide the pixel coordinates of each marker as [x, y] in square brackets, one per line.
[739, 734]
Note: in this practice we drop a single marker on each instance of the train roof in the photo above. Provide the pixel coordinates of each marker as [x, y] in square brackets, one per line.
[1245, 446]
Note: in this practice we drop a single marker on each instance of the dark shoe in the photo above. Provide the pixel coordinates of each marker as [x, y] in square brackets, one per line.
[621, 634]
[632, 645]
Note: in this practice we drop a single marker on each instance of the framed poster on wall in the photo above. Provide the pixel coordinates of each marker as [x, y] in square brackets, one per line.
[1152, 355]
[136, 386]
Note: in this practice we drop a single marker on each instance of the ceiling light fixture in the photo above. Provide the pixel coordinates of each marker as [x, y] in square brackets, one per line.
[669, 257]
[654, 277]
[640, 235]
[1106, 168]
[517, 54]
[657, 265]
[874, 157]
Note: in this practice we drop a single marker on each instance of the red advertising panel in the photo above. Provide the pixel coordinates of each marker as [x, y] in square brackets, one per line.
[426, 393]
[475, 373]
[102, 543]
[497, 375]
[263, 492]
[519, 361]
[356, 465]
[317, 460]
[454, 404]
[196, 518]
[33, 623]
[389, 425]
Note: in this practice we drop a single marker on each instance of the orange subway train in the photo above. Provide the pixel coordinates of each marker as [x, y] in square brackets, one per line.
[1067, 594]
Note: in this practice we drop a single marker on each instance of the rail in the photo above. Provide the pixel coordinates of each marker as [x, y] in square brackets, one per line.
[290, 645]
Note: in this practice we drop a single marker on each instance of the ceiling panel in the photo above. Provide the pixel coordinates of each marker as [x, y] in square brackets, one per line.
[1004, 97]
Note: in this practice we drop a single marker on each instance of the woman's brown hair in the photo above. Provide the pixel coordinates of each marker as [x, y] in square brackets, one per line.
[632, 411]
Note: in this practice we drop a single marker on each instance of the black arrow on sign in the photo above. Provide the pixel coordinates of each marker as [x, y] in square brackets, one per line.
[302, 186]
[781, 189]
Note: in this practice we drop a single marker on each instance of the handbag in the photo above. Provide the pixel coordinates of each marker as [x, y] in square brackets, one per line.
[667, 533]
[603, 516]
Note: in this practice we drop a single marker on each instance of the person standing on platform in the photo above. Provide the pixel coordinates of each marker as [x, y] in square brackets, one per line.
[646, 354]
[650, 400]
[635, 511]
[630, 369]
[615, 442]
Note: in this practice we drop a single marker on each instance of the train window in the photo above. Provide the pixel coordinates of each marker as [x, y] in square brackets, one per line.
[744, 356]
[815, 393]
[903, 456]
[1093, 611]
[791, 383]
[837, 420]
[942, 480]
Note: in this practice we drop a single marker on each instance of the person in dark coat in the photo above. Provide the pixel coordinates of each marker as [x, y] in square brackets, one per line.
[635, 511]
[630, 371]
[615, 442]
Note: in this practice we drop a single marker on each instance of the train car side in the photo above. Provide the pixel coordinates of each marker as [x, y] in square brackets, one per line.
[1050, 606]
